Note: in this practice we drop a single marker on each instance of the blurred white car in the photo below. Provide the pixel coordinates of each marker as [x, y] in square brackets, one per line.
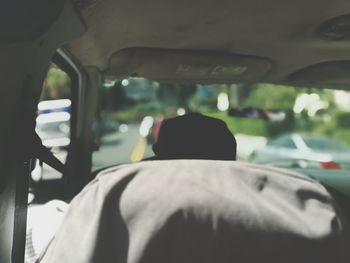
[304, 151]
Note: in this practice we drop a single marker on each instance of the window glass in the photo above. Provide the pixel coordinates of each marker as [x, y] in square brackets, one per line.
[131, 112]
[53, 121]
[284, 142]
[319, 143]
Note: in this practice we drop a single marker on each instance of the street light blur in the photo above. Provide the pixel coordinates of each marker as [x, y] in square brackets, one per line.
[181, 111]
[146, 125]
[123, 128]
[223, 102]
[312, 103]
[125, 82]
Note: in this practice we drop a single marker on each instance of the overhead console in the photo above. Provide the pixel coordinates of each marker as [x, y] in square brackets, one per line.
[331, 73]
[334, 73]
[188, 66]
[337, 28]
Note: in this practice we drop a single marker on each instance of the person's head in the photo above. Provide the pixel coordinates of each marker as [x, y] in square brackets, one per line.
[195, 136]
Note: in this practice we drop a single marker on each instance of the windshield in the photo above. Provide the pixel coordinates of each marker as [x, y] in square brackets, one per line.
[325, 144]
[272, 124]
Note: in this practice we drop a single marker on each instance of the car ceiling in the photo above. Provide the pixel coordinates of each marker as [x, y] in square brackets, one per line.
[305, 42]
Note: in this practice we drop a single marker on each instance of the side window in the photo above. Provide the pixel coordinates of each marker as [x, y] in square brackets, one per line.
[53, 122]
[123, 106]
[284, 142]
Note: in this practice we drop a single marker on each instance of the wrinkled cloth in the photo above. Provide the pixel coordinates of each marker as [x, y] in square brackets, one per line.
[187, 211]
[42, 223]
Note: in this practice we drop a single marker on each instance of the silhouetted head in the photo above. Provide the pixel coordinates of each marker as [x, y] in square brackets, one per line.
[195, 136]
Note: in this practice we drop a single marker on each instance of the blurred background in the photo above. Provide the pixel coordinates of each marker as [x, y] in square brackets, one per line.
[274, 124]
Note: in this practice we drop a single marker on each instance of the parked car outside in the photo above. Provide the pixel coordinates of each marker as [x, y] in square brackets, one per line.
[304, 151]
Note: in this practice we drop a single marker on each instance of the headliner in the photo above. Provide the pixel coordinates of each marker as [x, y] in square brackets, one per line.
[285, 32]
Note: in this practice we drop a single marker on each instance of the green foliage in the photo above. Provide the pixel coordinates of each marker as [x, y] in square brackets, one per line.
[269, 96]
[203, 104]
[335, 126]
[286, 126]
[343, 119]
[241, 125]
[116, 97]
[56, 85]
[342, 135]
[137, 112]
[169, 97]
[176, 94]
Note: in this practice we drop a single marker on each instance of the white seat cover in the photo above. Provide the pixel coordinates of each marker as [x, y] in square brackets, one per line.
[188, 211]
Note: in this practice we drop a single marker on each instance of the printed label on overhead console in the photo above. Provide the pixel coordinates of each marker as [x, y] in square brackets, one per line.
[229, 70]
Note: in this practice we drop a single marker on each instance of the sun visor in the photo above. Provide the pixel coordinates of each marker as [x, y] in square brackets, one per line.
[330, 74]
[188, 66]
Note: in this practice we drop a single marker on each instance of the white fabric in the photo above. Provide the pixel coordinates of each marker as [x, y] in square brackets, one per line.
[42, 223]
[189, 211]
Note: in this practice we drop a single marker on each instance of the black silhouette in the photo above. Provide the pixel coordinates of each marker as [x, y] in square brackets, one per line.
[195, 136]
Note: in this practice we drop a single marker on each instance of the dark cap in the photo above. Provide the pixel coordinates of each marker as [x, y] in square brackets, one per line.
[195, 136]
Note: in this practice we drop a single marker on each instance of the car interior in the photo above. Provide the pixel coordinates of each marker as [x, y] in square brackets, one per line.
[94, 79]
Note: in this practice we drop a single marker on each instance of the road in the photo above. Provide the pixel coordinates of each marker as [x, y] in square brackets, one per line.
[120, 148]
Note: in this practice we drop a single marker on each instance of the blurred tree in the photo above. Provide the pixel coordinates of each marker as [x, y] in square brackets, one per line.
[270, 96]
[176, 94]
[343, 119]
[56, 85]
[116, 96]
[239, 94]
